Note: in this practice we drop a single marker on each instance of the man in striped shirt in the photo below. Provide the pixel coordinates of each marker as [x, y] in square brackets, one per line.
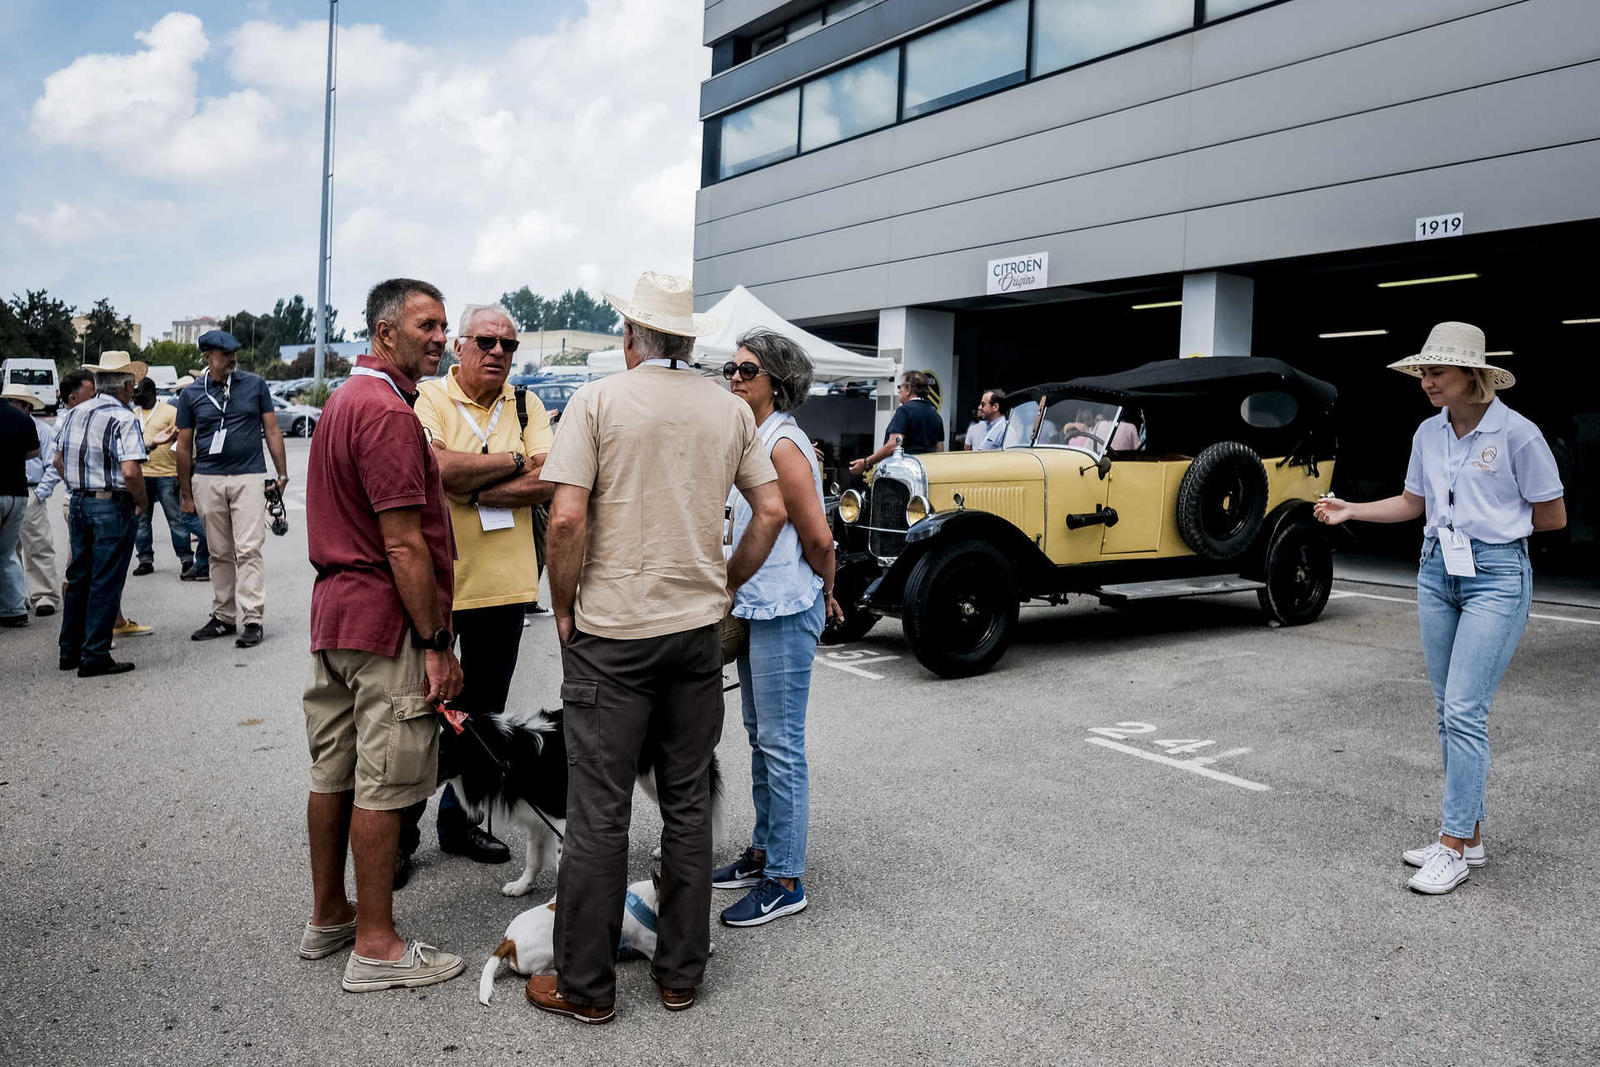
[98, 450]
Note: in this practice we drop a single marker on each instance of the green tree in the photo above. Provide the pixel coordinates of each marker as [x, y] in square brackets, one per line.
[184, 357]
[304, 364]
[528, 308]
[46, 328]
[574, 309]
[13, 338]
[106, 331]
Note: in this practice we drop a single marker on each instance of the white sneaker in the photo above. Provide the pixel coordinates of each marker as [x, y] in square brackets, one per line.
[1443, 871]
[1416, 857]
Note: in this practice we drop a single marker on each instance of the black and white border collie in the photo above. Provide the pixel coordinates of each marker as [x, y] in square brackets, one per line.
[519, 773]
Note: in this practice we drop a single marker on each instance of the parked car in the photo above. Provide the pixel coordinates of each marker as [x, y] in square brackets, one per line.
[552, 392]
[1178, 478]
[296, 420]
[37, 376]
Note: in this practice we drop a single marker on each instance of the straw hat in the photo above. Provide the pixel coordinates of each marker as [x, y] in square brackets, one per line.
[1454, 344]
[20, 392]
[664, 302]
[117, 363]
[184, 382]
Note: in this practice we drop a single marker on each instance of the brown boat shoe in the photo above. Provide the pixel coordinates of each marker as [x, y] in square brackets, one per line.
[543, 994]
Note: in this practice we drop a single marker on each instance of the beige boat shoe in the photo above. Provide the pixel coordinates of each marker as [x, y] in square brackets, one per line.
[423, 964]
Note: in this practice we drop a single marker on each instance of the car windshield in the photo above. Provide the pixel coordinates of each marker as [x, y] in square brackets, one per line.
[1071, 422]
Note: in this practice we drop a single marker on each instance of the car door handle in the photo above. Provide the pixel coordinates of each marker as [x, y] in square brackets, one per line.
[1100, 514]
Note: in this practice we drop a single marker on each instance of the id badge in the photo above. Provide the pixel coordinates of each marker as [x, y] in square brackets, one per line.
[495, 518]
[1457, 549]
[216, 441]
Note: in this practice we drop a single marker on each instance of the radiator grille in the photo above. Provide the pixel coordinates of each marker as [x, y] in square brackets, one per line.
[889, 499]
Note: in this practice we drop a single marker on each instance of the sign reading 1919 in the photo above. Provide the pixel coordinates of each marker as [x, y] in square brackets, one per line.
[1452, 225]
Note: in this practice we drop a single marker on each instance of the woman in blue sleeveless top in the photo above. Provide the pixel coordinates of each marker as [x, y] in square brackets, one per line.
[784, 606]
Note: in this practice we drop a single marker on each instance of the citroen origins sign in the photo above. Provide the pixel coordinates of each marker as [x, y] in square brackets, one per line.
[1017, 273]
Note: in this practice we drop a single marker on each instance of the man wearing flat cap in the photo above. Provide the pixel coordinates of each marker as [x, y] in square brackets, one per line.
[222, 418]
[642, 469]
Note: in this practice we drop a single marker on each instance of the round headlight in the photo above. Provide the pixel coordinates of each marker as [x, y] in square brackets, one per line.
[916, 511]
[850, 507]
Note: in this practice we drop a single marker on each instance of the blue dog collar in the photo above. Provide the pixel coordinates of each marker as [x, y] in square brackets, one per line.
[641, 911]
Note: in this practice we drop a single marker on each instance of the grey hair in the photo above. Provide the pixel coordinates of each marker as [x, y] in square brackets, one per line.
[387, 299]
[786, 363]
[111, 381]
[655, 344]
[472, 310]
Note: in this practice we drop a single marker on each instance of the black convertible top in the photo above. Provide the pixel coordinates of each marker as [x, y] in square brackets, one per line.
[1188, 404]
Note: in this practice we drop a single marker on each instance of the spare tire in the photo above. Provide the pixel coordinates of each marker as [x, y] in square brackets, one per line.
[1222, 500]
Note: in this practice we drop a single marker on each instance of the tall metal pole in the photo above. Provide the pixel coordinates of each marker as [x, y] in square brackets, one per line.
[327, 193]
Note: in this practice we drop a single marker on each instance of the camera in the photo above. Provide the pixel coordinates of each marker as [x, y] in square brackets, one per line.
[277, 514]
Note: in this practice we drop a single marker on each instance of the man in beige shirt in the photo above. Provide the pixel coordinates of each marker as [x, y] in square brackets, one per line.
[642, 468]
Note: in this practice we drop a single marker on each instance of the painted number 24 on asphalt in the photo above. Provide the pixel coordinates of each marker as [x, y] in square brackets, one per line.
[1123, 730]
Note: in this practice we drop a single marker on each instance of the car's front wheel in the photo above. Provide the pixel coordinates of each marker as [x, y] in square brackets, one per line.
[849, 582]
[960, 608]
[1298, 574]
[299, 429]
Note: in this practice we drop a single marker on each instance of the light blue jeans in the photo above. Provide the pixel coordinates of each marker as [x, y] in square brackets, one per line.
[774, 686]
[1470, 628]
[13, 593]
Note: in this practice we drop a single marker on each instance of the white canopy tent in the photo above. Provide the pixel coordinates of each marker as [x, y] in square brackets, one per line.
[739, 311]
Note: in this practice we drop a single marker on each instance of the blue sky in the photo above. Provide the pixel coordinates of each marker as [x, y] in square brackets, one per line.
[165, 155]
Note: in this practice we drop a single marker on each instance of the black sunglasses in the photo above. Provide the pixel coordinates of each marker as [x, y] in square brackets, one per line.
[746, 370]
[507, 345]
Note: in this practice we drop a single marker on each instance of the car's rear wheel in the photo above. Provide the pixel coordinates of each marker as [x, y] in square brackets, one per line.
[1222, 500]
[960, 608]
[1298, 574]
[849, 582]
[301, 428]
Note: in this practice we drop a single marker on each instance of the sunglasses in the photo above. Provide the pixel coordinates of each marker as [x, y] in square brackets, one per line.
[746, 371]
[507, 345]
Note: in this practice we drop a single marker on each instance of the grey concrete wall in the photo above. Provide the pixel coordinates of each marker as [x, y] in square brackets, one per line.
[1313, 126]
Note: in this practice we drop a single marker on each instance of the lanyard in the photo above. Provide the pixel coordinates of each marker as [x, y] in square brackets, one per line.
[368, 372]
[227, 391]
[1455, 469]
[494, 419]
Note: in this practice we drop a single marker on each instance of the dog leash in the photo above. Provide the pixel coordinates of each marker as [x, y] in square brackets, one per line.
[461, 723]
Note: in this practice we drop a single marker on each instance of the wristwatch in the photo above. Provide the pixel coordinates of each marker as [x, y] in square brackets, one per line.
[520, 460]
[441, 640]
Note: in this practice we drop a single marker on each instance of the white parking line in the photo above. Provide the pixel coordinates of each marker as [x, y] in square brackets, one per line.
[1192, 766]
[854, 668]
[1337, 593]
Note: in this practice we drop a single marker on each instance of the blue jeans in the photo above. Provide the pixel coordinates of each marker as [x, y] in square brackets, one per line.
[102, 544]
[1470, 628]
[180, 526]
[774, 685]
[13, 591]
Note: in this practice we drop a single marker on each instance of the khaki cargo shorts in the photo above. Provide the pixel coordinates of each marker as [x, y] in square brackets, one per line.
[369, 728]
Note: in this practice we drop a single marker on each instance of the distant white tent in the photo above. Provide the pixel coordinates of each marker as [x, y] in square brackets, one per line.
[739, 311]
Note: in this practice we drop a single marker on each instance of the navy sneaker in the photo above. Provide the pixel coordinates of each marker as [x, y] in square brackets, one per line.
[746, 870]
[766, 902]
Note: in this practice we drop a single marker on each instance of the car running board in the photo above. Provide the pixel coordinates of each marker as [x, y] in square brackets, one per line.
[1174, 587]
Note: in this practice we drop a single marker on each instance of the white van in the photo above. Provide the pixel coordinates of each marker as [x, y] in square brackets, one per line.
[38, 376]
[166, 378]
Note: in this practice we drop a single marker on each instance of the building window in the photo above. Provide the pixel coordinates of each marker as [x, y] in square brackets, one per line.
[760, 134]
[1067, 32]
[1219, 9]
[842, 9]
[968, 58]
[854, 100]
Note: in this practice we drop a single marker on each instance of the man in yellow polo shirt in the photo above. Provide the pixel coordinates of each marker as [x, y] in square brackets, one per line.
[491, 441]
[159, 422]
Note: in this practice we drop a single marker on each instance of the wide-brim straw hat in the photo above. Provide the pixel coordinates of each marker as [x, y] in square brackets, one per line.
[664, 302]
[117, 363]
[1455, 344]
[184, 382]
[20, 392]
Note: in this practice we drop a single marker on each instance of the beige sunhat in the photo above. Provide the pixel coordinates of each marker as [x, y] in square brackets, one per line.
[184, 382]
[1454, 344]
[664, 302]
[117, 363]
[20, 392]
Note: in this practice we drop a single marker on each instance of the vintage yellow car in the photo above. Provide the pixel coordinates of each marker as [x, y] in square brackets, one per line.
[1177, 478]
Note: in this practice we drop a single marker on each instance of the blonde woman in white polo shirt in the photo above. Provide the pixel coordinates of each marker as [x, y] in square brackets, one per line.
[1485, 479]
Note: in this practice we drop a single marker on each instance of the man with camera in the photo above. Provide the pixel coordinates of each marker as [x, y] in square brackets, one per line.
[222, 418]
[490, 440]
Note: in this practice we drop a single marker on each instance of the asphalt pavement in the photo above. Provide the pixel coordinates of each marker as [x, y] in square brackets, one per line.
[1167, 835]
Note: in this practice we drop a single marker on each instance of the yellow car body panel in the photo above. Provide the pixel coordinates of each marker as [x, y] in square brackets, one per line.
[1035, 489]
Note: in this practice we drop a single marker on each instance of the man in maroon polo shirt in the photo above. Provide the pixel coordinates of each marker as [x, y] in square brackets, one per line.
[381, 649]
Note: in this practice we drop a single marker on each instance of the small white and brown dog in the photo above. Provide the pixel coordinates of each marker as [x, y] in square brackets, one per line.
[529, 944]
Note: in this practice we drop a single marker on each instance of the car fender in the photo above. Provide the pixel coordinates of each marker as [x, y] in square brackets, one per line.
[884, 596]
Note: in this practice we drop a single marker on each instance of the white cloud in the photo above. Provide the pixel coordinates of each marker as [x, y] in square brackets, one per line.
[64, 225]
[141, 110]
[571, 159]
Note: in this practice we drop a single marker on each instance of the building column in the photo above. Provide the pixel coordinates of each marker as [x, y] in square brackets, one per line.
[1218, 310]
[917, 339]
